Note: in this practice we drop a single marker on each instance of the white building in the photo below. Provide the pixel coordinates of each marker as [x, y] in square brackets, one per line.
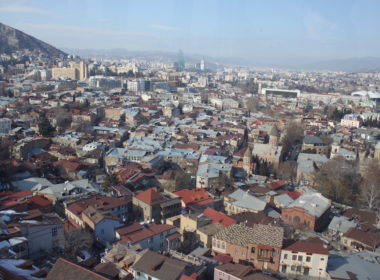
[308, 258]
[350, 120]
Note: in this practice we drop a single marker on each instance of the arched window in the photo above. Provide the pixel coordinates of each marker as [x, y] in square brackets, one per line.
[296, 220]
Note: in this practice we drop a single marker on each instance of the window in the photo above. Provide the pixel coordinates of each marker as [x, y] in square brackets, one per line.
[138, 273]
[293, 268]
[306, 271]
[273, 252]
[308, 259]
[300, 258]
[102, 231]
[322, 259]
[296, 220]
[285, 256]
[299, 268]
[149, 278]
[54, 231]
[253, 250]
[294, 257]
[283, 269]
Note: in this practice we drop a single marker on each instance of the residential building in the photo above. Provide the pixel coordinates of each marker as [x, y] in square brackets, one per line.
[305, 258]
[259, 245]
[151, 205]
[242, 201]
[152, 236]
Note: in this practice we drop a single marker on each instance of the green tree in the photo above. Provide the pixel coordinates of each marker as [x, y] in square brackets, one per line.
[45, 128]
[109, 181]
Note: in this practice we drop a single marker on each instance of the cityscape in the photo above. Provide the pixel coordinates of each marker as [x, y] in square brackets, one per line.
[162, 150]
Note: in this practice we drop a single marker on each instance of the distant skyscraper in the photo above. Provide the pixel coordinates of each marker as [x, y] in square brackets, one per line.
[202, 65]
[181, 61]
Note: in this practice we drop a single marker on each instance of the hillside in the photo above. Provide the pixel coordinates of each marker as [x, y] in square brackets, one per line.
[12, 40]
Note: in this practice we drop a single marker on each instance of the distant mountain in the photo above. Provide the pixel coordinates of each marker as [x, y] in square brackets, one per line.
[349, 64]
[12, 40]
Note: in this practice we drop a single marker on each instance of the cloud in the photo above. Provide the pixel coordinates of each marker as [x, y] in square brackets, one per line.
[21, 9]
[86, 30]
[162, 27]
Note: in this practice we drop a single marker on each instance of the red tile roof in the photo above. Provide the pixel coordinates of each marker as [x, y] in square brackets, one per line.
[150, 196]
[218, 217]
[195, 196]
[294, 195]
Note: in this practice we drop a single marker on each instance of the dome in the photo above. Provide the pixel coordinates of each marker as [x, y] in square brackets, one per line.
[370, 94]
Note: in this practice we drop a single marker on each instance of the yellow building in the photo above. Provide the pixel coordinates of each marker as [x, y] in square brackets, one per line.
[76, 71]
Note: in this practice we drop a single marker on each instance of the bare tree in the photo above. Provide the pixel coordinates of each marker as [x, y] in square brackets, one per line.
[339, 180]
[371, 196]
[370, 187]
[77, 240]
[287, 170]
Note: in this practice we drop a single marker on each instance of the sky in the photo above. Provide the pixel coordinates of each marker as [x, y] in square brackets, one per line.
[262, 30]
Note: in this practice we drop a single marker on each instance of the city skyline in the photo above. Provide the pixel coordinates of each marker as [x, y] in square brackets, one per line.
[272, 32]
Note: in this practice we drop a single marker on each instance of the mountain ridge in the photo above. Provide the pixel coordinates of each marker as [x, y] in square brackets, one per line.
[12, 39]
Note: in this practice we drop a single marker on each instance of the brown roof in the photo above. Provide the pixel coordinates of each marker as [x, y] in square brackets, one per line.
[150, 196]
[63, 270]
[109, 269]
[159, 266]
[235, 269]
[370, 239]
[311, 245]
[250, 218]
[98, 202]
[136, 232]
[362, 215]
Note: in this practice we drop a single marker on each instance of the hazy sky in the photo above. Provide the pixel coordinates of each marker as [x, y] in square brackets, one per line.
[263, 30]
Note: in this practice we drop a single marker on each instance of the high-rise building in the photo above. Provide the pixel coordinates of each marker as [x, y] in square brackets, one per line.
[181, 61]
[202, 65]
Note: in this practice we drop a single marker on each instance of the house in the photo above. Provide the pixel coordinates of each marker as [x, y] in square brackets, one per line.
[314, 144]
[45, 233]
[197, 199]
[357, 239]
[102, 225]
[152, 236]
[152, 205]
[259, 245]
[64, 269]
[307, 258]
[242, 201]
[235, 271]
[152, 265]
[311, 211]
[113, 206]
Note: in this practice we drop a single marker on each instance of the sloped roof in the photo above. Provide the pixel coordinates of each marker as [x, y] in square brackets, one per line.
[218, 217]
[63, 270]
[198, 196]
[150, 196]
[311, 245]
[258, 234]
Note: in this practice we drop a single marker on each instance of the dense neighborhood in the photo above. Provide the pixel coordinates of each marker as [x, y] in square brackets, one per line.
[136, 169]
